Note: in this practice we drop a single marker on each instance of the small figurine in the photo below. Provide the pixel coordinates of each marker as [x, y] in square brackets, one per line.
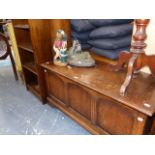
[60, 48]
[79, 58]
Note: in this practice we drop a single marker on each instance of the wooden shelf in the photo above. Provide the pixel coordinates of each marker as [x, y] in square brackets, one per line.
[21, 26]
[34, 88]
[31, 67]
[26, 46]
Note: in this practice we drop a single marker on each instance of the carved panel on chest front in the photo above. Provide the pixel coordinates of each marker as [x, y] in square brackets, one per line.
[80, 100]
[116, 118]
[55, 86]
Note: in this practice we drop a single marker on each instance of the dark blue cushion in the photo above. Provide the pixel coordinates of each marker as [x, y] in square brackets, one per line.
[81, 25]
[86, 46]
[113, 43]
[106, 22]
[84, 36]
[111, 31]
[111, 54]
[80, 41]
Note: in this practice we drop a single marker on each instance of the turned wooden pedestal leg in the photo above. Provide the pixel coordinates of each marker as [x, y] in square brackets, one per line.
[136, 58]
[129, 75]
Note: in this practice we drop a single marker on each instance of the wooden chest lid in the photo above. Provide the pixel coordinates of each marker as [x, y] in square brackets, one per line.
[140, 94]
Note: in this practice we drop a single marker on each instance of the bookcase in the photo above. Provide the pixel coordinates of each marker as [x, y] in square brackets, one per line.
[34, 44]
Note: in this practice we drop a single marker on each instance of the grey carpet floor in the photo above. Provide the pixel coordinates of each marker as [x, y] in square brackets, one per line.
[23, 113]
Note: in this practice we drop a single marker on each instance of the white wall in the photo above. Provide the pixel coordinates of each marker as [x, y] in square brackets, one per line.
[150, 41]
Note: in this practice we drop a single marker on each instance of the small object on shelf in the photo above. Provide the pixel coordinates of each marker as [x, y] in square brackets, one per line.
[60, 48]
[21, 26]
[77, 57]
